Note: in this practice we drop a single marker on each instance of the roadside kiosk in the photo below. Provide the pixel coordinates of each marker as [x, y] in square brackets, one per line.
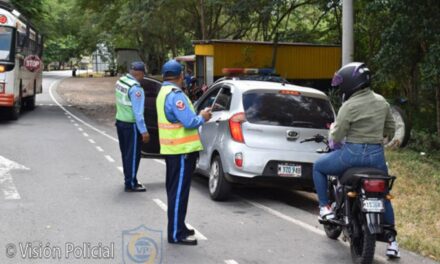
[304, 64]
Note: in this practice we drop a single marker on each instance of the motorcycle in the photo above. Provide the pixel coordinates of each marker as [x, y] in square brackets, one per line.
[358, 202]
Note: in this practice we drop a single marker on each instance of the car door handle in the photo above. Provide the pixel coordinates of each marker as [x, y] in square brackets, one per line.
[218, 120]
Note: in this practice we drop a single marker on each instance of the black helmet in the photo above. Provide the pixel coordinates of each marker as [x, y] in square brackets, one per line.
[351, 78]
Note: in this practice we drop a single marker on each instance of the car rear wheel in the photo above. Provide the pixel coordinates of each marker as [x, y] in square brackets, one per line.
[219, 187]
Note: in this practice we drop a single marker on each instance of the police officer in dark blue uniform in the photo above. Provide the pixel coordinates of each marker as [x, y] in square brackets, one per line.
[130, 123]
[180, 143]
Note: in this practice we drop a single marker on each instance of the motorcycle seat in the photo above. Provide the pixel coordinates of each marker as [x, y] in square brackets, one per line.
[353, 176]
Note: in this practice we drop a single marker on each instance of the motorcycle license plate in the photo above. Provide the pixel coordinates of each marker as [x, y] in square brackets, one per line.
[288, 170]
[375, 206]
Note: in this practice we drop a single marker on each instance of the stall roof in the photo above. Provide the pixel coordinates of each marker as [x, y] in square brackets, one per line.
[229, 41]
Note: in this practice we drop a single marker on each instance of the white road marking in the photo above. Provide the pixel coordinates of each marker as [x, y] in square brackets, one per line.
[121, 169]
[164, 207]
[7, 184]
[160, 161]
[80, 129]
[91, 141]
[74, 116]
[69, 117]
[75, 124]
[304, 225]
[85, 134]
[99, 149]
[161, 204]
[197, 235]
[287, 218]
[109, 158]
[231, 261]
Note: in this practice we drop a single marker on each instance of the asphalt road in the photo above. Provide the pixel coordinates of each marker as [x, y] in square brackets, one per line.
[61, 193]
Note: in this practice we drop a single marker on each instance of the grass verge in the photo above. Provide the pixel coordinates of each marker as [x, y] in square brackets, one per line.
[417, 202]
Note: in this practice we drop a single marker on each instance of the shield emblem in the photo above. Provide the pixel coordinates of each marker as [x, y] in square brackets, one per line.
[142, 245]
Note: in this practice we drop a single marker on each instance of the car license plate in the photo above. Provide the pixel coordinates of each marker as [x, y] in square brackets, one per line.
[375, 206]
[287, 170]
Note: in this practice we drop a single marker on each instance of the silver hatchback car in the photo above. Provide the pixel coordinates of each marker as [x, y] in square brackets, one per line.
[255, 132]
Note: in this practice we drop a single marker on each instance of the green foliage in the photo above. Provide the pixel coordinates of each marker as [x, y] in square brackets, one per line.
[399, 40]
[62, 49]
[163, 29]
[425, 142]
[33, 10]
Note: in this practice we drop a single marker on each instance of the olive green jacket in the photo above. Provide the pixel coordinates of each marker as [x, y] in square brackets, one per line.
[365, 118]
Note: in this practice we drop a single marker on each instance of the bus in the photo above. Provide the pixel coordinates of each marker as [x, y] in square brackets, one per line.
[21, 66]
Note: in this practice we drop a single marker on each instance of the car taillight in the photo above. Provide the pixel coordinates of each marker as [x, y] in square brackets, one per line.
[239, 159]
[374, 185]
[235, 127]
[2, 88]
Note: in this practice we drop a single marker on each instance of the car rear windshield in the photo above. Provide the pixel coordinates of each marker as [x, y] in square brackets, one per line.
[278, 109]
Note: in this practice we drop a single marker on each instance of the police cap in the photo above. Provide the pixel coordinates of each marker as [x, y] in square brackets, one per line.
[171, 69]
[138, 66]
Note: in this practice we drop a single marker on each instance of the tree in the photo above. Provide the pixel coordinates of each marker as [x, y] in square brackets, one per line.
[408, 52]
[33, 10]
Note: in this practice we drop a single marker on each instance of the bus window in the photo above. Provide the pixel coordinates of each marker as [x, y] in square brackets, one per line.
[5, 43]
[21, 40]
[32, 46]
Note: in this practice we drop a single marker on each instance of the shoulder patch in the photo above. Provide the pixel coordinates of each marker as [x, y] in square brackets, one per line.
[180, 105]
[138, 94]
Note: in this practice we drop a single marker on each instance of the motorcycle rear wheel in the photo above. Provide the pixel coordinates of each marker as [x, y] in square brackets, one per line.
[362, 248]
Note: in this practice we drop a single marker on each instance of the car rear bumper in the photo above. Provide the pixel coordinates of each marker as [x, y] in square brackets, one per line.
[302, 183]
[263, 164]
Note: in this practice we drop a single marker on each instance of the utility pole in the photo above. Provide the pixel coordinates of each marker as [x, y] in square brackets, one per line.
[275, 50]
[202, 18]
[347, 32]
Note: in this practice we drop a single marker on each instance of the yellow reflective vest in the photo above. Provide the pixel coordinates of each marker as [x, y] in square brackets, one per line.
[124, 110]
[174, 137]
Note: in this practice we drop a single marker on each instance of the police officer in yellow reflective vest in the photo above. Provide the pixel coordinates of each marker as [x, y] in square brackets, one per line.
[130, 123]
[180, 143]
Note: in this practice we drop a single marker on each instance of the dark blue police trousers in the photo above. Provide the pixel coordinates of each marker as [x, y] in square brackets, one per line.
[130, 143]
[178, 183]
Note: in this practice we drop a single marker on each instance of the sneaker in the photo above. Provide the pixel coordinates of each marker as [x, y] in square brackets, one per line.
[326, 213]
[393, 250]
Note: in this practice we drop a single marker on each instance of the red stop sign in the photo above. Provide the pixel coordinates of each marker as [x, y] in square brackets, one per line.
[32, 63]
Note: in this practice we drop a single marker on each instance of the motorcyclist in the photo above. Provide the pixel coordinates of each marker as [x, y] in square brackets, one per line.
[363, 121]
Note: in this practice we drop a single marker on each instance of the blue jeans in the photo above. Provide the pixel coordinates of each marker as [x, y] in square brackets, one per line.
[350, 155]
